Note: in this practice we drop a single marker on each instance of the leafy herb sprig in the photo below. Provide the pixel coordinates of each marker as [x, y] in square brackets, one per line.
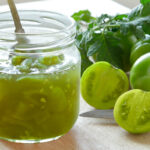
[110, 38]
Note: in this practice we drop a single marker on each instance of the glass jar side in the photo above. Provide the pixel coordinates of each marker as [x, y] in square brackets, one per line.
[39, 89]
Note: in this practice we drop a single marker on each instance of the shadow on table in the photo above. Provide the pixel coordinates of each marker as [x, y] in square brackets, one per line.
[67, 142]
[136, 138]
[139, 138]
[105, 122]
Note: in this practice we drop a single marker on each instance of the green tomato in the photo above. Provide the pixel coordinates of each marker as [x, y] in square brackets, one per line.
[140, 73]
[51, 60]
[132, 111]
[138, 50]
[17, 60]
[102, 84]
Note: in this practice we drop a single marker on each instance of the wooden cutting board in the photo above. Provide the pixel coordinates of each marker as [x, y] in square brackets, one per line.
[89, 134]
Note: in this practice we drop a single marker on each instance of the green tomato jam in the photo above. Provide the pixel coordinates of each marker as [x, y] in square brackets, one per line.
[39, 77]
[37, 102]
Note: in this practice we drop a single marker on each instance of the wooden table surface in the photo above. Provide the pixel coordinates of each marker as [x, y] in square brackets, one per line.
[88, 133]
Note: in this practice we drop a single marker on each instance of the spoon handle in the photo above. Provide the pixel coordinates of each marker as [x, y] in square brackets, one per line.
[14, 12]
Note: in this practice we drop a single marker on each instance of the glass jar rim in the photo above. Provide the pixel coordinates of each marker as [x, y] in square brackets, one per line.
[43, 29]
[69, 27]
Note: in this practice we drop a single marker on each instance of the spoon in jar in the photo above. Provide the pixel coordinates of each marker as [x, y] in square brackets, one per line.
[21, 39]
[14, 12]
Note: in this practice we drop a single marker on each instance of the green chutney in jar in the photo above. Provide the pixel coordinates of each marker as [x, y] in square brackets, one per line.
[39, 84]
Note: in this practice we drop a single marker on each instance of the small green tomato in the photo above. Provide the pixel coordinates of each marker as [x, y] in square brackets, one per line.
[140, 73]
[102, 84]
[132, 111]
[139, 50]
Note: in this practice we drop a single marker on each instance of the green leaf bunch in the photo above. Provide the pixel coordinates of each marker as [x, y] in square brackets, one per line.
[110, 38]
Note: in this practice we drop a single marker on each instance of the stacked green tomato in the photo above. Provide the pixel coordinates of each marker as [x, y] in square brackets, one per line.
[140, 71]
[132, 109]
[104, 86]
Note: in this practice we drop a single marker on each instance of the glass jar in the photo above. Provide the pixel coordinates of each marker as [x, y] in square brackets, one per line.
[39, 77]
